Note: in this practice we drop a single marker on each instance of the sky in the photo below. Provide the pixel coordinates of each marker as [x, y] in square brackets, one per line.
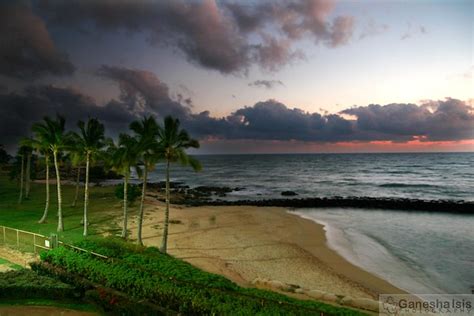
[247, 76]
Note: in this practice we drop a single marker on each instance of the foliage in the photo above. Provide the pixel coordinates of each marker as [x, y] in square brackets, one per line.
[145, 273]
[15, 169]
[4, 156]
[173, 141]
[133, 192]
[26, 283]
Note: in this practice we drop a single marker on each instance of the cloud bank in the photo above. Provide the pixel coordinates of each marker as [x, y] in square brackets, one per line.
[27, 51]
[143, 93]
[228, 37]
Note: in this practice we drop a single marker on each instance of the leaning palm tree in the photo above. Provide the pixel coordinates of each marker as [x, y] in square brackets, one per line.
[90, 141]
[52, 132]
[146, 131]
[173, 142]
[21, 154]
[29, 152]
[122, 159]
[40, 142]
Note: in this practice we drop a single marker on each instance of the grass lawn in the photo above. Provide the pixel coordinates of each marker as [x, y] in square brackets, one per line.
[104, 209]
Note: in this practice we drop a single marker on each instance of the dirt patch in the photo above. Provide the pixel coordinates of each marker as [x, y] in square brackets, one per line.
[41, 311]
[5, 268]
[17, 257]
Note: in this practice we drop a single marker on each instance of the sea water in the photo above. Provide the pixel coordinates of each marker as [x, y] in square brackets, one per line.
[419, 175]
[420, 252]
[416, 251]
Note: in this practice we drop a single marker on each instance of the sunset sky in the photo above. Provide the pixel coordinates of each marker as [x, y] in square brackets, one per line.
[247, 76]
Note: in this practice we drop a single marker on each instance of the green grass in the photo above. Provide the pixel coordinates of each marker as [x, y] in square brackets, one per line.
[104, 207]
[10, 264]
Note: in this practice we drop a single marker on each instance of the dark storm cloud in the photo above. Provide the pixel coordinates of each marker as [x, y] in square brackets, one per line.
[295, 19]
[450, 119]
[229, 37]
[268, 84]
[272, 120]
[26, 49]
[142, 93]
[18, 111]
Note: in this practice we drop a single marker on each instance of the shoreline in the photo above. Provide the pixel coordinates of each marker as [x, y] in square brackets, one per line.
[247, 243]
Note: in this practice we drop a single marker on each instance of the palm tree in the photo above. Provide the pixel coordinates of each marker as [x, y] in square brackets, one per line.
[123, 157]
[26, 150]
[146, 131]
[41, 143]
[91, 141]
[29, 152]
[52, 132]
[77, 157]
[21, 154]
[173, 141]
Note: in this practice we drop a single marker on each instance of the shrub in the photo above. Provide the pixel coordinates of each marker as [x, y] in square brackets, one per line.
[27, 284]
[144, 273]
[133, 192]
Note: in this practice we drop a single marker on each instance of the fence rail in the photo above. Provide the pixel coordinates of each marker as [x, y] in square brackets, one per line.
[23, 240]
[33, 242]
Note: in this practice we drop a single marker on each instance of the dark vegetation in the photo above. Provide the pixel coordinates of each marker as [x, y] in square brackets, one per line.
[164, 284]
[133, 192]
[24, 283]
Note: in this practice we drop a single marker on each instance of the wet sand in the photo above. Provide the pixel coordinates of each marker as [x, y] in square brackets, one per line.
[245, 242]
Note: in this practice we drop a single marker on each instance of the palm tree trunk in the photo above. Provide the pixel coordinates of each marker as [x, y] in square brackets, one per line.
[58, 185]
[20, 198]
[86, 194]
[78, 178]
[46, 207]
[142, 202]
[125, 211]
[164, 243]
[28, 175]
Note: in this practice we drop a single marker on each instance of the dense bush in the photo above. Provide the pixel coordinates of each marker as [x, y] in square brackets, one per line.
[146, 274]
[28, 284]
[152, 260]
[114, 303]
[133, 192]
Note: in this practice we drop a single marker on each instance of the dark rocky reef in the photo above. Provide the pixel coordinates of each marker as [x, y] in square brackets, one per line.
[206, 196]
[447, 206]
[181, 194]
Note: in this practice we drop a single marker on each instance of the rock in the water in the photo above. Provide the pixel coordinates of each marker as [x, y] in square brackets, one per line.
[289, 193]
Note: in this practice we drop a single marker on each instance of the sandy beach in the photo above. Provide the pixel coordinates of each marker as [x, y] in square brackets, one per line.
[244, 243]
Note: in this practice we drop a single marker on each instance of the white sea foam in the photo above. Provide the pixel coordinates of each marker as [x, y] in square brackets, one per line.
[375, 242]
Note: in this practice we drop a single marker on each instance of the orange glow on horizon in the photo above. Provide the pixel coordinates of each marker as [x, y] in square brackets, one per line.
[214, 145]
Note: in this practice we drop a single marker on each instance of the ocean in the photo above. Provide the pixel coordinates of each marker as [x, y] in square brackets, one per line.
[419, 252]
[420, 176]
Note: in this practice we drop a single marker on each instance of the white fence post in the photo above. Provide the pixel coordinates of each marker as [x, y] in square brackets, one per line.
[27, 241]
